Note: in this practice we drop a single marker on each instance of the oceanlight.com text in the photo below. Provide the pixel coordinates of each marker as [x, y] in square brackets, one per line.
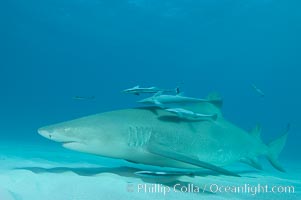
[210, 188]
[250, 189]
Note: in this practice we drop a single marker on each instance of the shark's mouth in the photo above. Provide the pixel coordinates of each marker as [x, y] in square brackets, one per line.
[68, 142]
[74, 145]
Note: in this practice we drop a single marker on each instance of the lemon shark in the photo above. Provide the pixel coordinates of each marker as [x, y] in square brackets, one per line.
[154, 136]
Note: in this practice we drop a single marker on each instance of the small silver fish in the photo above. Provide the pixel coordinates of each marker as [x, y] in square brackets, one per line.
[83, 97]
[258, 90]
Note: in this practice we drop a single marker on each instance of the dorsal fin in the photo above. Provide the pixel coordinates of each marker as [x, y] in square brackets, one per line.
[215, 99]
[256, 131]
[137, 86]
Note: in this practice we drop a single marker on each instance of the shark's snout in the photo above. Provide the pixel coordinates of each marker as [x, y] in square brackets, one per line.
[57, 134]
[45, 133]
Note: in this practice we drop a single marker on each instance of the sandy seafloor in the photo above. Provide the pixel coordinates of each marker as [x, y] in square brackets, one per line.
[35, 172]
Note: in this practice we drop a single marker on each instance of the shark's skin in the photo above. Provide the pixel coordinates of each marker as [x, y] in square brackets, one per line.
[137, 90]
[155, 136]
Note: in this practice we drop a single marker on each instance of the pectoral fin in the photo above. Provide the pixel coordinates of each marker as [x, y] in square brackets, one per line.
[162, 174]
[165, 152]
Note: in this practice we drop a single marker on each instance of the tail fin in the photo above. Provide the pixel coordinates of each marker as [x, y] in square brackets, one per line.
[215, 99]
[275, 147]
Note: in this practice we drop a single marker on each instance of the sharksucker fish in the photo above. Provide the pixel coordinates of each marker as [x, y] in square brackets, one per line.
[162, 100]
[137, 90]
[189, 115]
[154, 136]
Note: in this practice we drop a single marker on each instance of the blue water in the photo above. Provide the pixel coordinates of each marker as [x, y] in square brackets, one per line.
[54, 50]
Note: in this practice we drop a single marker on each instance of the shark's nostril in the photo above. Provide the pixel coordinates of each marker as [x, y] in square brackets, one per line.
[50, 136]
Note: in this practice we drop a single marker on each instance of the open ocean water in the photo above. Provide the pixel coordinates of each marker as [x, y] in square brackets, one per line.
[65, 59]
